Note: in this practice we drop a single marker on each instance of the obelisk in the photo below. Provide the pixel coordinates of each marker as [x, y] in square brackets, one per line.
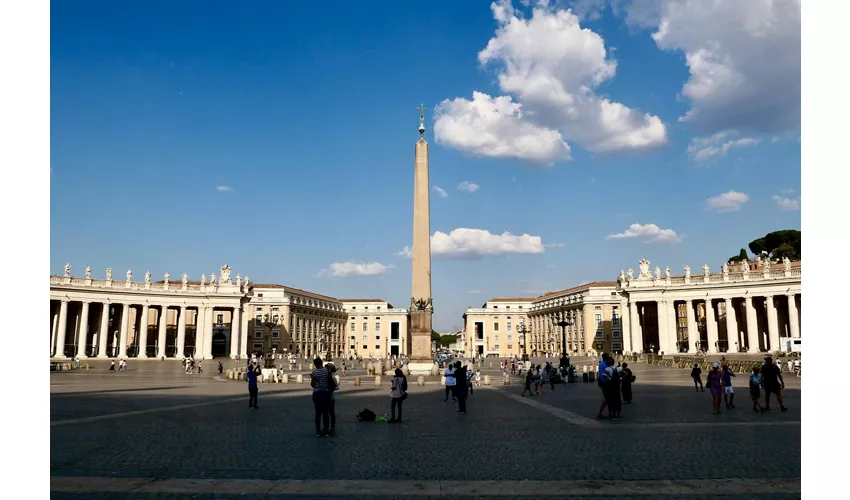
[421, 304]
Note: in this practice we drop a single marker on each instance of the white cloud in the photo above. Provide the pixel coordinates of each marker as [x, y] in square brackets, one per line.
[223, 189]
[473, 243]
[649, 233]
[786, 203]
[727, 202]
[703, 149]
[440, 191]
[495, 127]
[468, 186]
[743, 58]
[350, 269]
[588, 10]
[552, 66]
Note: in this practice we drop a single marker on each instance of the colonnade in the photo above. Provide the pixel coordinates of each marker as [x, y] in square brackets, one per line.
[546, 335]
[308, 339]
[70, 321]
[752, 323]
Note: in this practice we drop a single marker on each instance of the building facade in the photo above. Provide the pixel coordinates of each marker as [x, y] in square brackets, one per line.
[376, 328]
[750, 306]
[495, 328]
[224, 317]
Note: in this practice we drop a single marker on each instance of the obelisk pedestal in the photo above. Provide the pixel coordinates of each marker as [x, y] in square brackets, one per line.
[421, 305]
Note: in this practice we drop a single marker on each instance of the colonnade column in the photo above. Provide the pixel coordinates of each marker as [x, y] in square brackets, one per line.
[693, 331]
[663, 330]
[103, 333]
[125, 326]
[710, 325]
[772, 327]
[59, 350]
[589, 327]
[53, 331]
[672, 328]
[181, 332]
[142, 341]
[793, 320]
[732, 332]
[200, 319]
[208, 327]
[243, 339]
[235, 327]
[160, 339]
[636, 331]
[83, 335]
[752, 325]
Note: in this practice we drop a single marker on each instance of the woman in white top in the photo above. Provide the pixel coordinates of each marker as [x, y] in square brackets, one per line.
[450, 382]
[398, 393]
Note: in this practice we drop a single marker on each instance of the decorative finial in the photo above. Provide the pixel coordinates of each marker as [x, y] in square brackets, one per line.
[422, 109]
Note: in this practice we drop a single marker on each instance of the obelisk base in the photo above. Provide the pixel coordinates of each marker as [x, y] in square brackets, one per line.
[421, 359]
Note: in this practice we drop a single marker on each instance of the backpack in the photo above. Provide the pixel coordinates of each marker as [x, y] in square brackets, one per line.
[366, 415]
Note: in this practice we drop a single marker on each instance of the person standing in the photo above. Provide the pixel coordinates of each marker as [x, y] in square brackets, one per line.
[755, 390]
[200, 367]
[728, 392]
[612, 375]
[398, 393]
[220, 368]
[529, 377]
[696, 374]
[112, 365]
[460, 387]
[714, 382]
[449, 373]
[253, 372]
[321, 396]
[627, 379]
[603, 366]
[332, 388]
[772, 382]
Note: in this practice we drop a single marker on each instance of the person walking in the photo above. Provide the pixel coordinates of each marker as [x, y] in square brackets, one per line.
[529, 377]
[603, 366]
[728, 392]
[220, 368]
[696, 374]
[200, 367]
[451, 381]
[755, 390]
[319, 379]
[771, 379]
[398, 393]
[714, 382]
[611, 387]
[112, 365]
[460, 387]
[252, 374]
[538, 379]
[627, 379]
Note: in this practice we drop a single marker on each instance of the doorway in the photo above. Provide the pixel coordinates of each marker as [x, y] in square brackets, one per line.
[219, 344]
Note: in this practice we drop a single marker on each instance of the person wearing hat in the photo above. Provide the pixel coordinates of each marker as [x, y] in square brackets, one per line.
[771, 380]
[714, 382]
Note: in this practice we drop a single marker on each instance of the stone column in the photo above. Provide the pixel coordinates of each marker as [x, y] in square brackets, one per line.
[181, 332]
[589, 328]
[163, 325]
[59, 350]
[243, 339]
[663, 323]
[752, 325]
[710, 325]
[693, 330]
[143, 334]
[208, 333]
[732, 333]
[672, 328]
[103, 332]
[625, 325]
[235, 324]
[200, 319]
[83, 335]
[636, 331]
[53, 330]
[772, 324]
[125, 327]
[793, 320]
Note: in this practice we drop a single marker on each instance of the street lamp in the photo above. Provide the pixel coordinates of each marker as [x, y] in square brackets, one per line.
[267, 323]
[523, 331]
[325, 337]
[563, 323]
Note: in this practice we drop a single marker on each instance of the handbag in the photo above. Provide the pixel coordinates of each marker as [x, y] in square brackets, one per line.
[403, 396]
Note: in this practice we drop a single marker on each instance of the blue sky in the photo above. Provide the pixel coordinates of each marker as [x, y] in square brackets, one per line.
[306, 113]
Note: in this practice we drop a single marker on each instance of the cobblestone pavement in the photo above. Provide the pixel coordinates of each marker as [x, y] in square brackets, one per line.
[153, 423]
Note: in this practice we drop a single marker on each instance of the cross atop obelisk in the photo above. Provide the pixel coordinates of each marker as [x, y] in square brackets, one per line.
[421, 305]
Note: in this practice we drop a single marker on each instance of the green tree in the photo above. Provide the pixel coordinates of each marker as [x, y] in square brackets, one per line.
[738, 258]
[778, 244]
[446, 340]
[435, 337]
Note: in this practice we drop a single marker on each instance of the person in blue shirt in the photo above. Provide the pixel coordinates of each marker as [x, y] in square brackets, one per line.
[728, 392]
[253, 372]
[603, 365]
[755, 389]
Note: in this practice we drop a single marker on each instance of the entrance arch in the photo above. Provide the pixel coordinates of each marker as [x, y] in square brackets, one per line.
[219, 344]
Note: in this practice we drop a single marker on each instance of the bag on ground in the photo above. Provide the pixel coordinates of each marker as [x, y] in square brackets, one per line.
[366, 415]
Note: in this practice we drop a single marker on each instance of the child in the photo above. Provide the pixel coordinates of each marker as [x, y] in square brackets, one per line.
[755, 391]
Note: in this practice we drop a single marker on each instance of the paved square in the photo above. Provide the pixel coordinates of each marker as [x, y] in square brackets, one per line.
[153, 432]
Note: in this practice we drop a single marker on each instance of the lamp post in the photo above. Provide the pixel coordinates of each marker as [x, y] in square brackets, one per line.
[267, 323]
[523, 331]
[325, 337]
[563, 323]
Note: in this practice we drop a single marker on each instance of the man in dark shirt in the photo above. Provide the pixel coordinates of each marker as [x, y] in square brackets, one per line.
[461, 386]
[319, 380]
[253, 372]
[772, 383]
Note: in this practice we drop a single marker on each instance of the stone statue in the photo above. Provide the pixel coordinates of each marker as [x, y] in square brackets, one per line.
[212, 278]
[421, 304]
[667, 273]
[644, 269]
[657, 273]
[88, 272]
[129, 275]
[687, 272]
[167, 276]
[238, 280]
[622, 276]
[725, 269]
[706, 270]
[631, 274]
[225, 274]
[67, 270]
[766, 266]
[787, 263]
[203, 279]
[185, 279]
[247, 280]
[147, 276]
[745, 267]
[109, 274]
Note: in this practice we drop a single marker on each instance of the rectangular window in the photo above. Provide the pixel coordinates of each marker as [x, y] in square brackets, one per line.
[365, 337]
[258, 320]
[597, 308]
[275, 334]
[353, 327]
[258, 346]
[507, 307]
[598, 319]
[508, 327]
[377, 337]
[276, 319]
[351, 348]
[496, 337]
[365, 327]
[258, 334]
[599, 334]
[510, 338]
[377, 348]
[365, 347]
[353, 337]
[495, 327]
[377, 327]
[219, 319]
[615, 334]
